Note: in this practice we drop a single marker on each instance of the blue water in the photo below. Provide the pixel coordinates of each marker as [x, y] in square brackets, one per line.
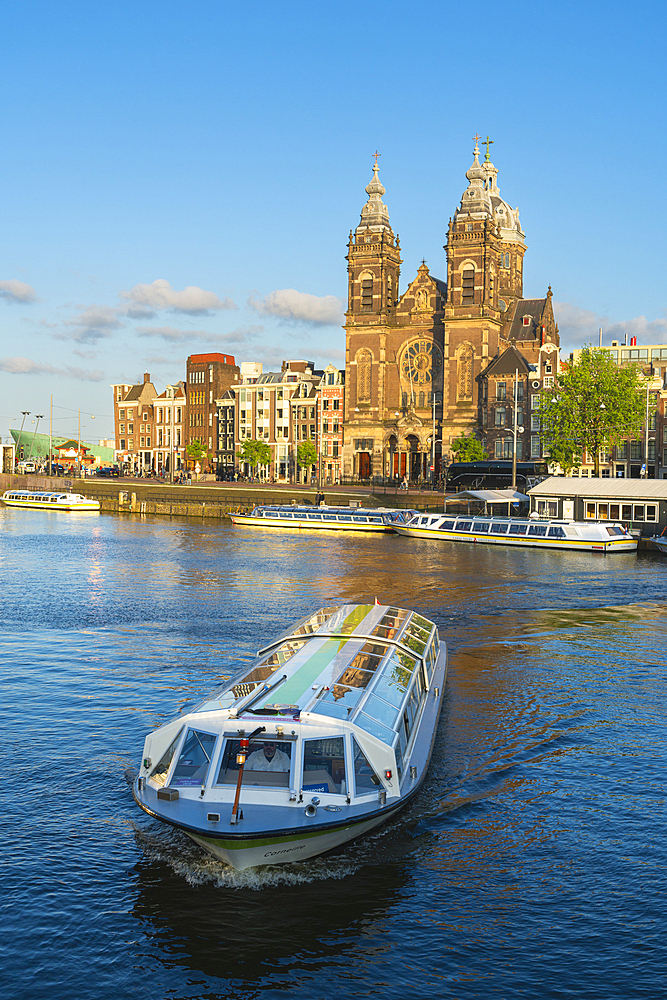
[533, 863]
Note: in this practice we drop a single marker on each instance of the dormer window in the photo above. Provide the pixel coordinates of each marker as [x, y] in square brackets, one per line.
[527, 320]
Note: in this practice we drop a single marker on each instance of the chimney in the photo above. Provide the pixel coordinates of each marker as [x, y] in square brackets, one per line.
[633, 341]
[147, 378]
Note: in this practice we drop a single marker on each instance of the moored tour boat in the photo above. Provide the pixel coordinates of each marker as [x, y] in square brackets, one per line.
[660, 542]
[327, 517]
[527, 532]
[325, 736]
[48, 500]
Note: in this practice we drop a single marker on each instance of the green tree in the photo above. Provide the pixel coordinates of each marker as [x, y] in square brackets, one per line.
[306, 454]
[255, 453]
[593, 405]
[197, 451]
[468, 449]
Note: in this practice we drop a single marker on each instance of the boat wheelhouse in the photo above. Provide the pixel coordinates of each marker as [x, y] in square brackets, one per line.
[327, 517]
[45, 500]
[323, 737]
[525, 532]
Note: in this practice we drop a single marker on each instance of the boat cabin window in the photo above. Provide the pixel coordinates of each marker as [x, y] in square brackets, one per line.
[160, 772]
[614, 530]
[415, 637]
[267, 667]
[498, 528]
[537, 529]
[324, 765]
[447, 526]
[360, 520]
[313, 623]
[463, 525]
[365, 779]
[481, 527]
[556, 533]
[518, 529]
[268, 762]
[192, 765]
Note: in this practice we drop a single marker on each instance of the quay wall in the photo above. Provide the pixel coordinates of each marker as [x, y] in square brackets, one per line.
[210, 500]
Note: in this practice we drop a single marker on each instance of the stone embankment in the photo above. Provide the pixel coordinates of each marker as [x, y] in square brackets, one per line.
[205, 500]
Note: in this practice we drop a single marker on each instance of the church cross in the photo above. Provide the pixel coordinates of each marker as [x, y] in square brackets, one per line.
[376, 154]
[476, 139]
[489, 142]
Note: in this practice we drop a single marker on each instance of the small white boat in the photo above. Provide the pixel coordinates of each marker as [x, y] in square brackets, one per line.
[327, 517]
[325, 736]
[660, 542]
[48, 501]
[526, 532]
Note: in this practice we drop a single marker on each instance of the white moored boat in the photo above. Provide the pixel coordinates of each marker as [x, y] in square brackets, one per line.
[325, 736]
[660, 542]
[527, 532]
[327, 517]
[48, 500]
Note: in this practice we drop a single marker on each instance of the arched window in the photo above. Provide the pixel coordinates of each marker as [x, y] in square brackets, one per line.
[421, 399]
[364, 366]
[390, 292]
[465, 372]
[468, 286]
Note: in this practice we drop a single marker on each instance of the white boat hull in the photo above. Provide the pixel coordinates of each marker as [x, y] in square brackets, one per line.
[571, 544]
[247, 520]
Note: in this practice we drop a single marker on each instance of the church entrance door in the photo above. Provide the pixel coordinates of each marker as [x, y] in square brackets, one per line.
[364, 465]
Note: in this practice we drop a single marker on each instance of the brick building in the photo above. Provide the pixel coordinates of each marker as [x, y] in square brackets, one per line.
[208, 377]
[414, 360]
[331, 403]
[133, 424]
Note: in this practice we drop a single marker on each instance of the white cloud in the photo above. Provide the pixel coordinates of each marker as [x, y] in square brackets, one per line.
[160, 295]
[579, 326]
[17, 291]
[326, 310]
[25, 366]
[92, 324]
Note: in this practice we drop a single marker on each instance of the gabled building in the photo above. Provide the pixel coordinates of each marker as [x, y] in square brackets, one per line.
[208, 377]
[133, 423]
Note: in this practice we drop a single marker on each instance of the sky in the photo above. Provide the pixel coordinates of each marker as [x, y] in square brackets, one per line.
[180, 177]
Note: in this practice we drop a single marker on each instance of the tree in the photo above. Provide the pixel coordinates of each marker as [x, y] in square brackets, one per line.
[306, 454]
[255, 453]
[197, 451]
[593, 405]
[468, 449]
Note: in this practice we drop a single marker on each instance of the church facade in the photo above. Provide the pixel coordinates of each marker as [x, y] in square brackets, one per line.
[416, 361]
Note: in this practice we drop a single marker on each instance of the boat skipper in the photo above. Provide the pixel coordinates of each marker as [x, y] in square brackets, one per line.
[268, 759]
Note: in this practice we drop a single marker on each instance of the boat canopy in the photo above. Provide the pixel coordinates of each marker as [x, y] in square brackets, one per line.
[354, 662]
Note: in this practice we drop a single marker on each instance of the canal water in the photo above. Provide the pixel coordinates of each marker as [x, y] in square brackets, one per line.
[532, 864]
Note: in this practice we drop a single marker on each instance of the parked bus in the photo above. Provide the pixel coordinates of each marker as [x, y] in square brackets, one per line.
[493, 475]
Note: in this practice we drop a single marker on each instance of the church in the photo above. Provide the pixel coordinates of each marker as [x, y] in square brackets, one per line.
[425, 366]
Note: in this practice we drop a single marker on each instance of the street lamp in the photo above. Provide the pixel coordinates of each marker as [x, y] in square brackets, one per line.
[435, 395]
[26, 413]
[38, 417]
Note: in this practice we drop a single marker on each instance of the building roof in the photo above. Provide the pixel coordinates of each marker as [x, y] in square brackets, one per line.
[507, 363]
[489, 496]
[200, 359]
[534, 308]
[40, 446]
[608, 489]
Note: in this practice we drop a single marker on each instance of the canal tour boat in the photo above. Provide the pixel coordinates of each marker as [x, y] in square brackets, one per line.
[327, 517]
[527, 532]
[48, 501]
[327, 734]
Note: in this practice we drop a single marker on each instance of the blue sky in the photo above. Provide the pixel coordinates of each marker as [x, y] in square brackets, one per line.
[178, 177]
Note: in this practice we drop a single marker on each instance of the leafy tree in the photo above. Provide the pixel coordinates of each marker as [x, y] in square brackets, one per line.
[197, 451]
[306, 454]
[468, 449]
[255, 452]
[593, 405]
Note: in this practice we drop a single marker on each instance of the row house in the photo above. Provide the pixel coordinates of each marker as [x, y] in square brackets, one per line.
[149, 427]
[208, 377]
[284, 409]
[512, 382]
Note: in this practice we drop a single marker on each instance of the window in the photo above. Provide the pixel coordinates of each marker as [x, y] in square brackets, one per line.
[500, 416]
[121, 414]
[367, 293]
[535, 401]
[501, 390]
[325, 404]
[534, 447]
[651, 450]
[160, 771]
[548, 382]
[468, 286]
[534, 423]
[324, 765]
[635, 451]
[121, 428]
[195, 757]
[336, 404]
[365, 779]
[267, 762]
[621, 451]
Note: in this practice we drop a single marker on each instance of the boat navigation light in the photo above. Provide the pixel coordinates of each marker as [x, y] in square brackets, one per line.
[387, 774]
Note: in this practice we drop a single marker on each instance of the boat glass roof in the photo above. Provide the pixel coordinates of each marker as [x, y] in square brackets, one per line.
[343, 662]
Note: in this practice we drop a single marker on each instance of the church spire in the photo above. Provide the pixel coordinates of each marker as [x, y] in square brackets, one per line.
[374, 214]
